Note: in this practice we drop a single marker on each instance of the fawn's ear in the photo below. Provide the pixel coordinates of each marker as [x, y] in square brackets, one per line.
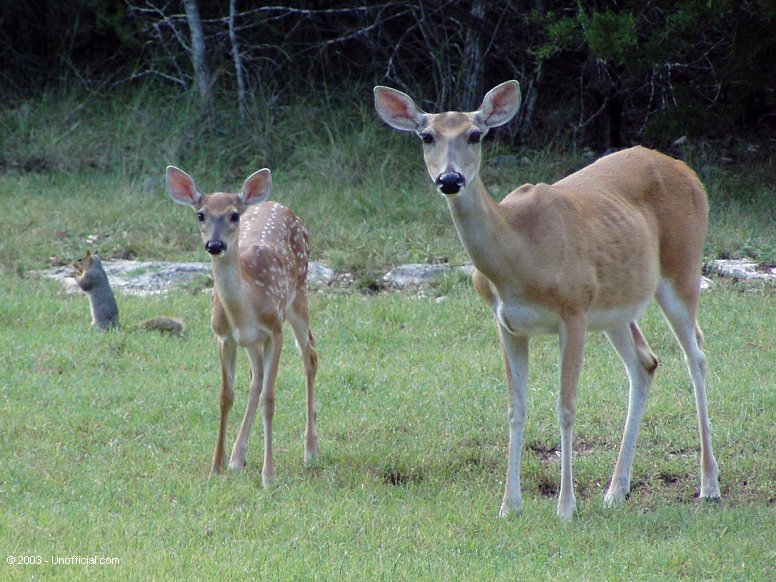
[257, 187]
[500, 104]
[182, 188]
[398, 110]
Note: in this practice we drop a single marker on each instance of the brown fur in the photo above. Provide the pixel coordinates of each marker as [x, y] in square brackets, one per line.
[587, 252]
[259, 256]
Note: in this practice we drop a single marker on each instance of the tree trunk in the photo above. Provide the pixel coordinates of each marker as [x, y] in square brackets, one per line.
[473, 73]
[528, 108]
[199, 56]
[237, 58]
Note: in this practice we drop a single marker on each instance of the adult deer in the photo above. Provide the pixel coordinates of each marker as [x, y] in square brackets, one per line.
[586, 253]
[258, 252]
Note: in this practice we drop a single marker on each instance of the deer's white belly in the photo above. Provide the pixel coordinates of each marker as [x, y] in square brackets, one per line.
[526, 319]
[247, 335]
[520, 318]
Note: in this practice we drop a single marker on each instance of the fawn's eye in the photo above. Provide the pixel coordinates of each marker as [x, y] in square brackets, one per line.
[427, 138]
[201, 216]
[475, 137]
[235, 216]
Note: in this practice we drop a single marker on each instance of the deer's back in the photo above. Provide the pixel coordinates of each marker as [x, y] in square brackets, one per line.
[662, 189]
[273, 244]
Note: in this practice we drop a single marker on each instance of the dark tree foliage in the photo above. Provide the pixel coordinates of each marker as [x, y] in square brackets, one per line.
[600, 73]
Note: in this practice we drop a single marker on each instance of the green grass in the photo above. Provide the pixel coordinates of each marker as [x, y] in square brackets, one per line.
[106, 439]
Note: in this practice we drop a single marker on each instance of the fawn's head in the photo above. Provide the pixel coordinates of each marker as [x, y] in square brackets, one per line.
[451, 141]
[218, 214]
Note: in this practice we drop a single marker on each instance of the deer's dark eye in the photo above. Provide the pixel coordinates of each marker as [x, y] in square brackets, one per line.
[475, 137]
[427, 138]
[235, 216]
[201, 216]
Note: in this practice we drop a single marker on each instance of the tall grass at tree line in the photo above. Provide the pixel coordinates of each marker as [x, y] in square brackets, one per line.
[361, 187]
[107, 438]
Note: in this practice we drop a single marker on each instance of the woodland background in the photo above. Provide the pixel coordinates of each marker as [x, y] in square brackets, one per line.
[594, 74]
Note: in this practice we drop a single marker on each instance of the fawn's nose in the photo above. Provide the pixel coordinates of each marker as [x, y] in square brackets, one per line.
[215, 247]
[450, 182]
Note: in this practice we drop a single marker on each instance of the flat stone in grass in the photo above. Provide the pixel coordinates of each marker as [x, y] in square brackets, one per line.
[416, 274]
[144, 278]
[743, 269]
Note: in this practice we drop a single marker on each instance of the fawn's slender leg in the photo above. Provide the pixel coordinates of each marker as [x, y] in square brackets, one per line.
[227, 352]
[240, 449]
[267, 402]
[515, 349]
[688, 333]
[298, 317]
[640, 365]
[572, 346]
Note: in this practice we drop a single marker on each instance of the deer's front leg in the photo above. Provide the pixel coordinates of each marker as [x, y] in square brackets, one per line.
[227, 353]
[572, 347]
[240, 449]
[267, 403]
[640, 364]
[515, 350]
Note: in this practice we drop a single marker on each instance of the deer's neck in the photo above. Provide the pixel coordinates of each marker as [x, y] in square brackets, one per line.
[488, 239]
[228, 281]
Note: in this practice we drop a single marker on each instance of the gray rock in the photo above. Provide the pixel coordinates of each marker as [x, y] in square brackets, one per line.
[416, 274]
[144, 278]
[742, 269]
[320, 274]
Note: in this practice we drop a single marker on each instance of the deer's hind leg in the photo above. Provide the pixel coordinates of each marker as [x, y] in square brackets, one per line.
[299, 319]
[680, 313]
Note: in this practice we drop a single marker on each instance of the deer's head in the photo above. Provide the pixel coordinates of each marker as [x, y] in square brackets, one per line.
[452, 140]
[218, 214]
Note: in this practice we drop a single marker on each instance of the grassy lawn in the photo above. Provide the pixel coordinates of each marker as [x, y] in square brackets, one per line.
[107, 440]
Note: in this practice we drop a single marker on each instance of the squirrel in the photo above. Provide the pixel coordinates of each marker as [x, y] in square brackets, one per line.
[90, 276]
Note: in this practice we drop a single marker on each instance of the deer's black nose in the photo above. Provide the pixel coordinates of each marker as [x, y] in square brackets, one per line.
[450, 182]
[215, 247]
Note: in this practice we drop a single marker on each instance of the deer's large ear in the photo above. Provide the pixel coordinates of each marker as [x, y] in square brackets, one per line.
[398, 110]
[500, 104]
[182, 188]
[257, 187]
